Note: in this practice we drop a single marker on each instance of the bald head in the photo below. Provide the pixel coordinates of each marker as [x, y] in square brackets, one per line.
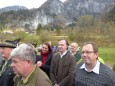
[74, 47]
[74, 44]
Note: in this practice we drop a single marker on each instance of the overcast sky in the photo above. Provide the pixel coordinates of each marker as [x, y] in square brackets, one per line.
[27, 3]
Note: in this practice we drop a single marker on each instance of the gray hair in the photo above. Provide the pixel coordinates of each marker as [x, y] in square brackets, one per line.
[24, 52]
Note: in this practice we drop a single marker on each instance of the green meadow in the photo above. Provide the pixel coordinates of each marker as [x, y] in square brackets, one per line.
[108, 55]
[106, 43]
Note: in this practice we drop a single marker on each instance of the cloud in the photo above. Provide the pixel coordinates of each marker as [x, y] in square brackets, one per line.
[26, 3]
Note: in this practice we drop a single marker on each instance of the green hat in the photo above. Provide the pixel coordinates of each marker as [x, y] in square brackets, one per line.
[8, 43]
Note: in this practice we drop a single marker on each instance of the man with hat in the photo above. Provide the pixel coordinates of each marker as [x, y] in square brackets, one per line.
[6, 72]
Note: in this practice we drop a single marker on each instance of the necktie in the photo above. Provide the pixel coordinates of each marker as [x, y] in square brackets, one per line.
[2, 65]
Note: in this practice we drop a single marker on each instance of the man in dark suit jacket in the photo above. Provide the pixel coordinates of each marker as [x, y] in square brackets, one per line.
[62, 67]
[6, 72]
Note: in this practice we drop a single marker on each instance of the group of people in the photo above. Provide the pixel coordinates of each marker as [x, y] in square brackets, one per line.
[21, 66]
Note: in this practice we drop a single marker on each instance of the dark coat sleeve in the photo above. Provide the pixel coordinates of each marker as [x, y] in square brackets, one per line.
[7, 78]
[53, 67]
[38, 58]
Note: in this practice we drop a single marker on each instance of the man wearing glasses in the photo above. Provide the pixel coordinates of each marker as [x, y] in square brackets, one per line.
[91, 72]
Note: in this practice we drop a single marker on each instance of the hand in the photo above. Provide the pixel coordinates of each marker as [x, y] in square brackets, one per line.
[39, 63]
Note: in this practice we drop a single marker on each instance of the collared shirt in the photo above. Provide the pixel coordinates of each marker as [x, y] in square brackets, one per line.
[4, 64]
[27, 78]
[61, 55]
[95, 69]
[6, 61]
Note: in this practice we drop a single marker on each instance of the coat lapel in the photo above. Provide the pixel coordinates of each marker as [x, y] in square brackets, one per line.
[2, 63]
[49, 56]
[6, 67]
[57, 63]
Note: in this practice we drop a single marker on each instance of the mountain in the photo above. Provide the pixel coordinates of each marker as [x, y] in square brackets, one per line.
[76, 8]
[56, 13]
[50, 11]
[10, 8]
[110, 16]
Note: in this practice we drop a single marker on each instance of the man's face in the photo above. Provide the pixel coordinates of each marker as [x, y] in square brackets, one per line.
[5, 51]
[88, 55]
[19, 66]
[73, 47]
[62, 46]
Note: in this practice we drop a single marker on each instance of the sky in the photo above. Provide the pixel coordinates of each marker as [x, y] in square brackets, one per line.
[27, 3]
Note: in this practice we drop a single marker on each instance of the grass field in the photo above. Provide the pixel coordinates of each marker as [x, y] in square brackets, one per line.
[108, 55]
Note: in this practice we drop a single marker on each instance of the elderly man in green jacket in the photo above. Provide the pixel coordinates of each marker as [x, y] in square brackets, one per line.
[23, 64]
[74, 51]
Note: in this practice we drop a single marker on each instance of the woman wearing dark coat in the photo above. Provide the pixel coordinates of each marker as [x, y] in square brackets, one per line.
[44, 60]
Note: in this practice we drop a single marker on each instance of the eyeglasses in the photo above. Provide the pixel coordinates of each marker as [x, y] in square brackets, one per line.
[87, 52]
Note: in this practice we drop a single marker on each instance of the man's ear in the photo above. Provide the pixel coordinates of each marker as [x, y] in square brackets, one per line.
[96, 55]
[29, 61]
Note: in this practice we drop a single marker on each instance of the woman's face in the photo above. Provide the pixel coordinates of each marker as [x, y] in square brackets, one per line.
[45, 48]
